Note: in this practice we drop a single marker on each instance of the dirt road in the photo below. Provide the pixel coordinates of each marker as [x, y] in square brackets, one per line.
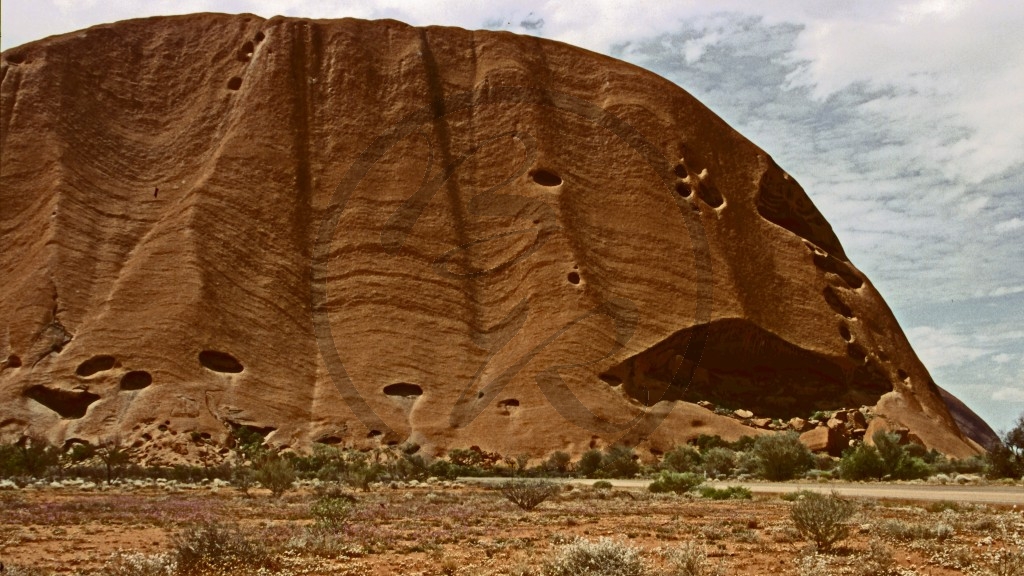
[975, 494]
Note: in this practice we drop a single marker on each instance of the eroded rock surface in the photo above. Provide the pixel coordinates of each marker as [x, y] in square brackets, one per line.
[364, 232]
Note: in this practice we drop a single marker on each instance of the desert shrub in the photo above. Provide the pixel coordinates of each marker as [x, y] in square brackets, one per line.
[675, 482]
[1008, 563]
[442, 469]
[781, 456]
[216, 548]
[822, 519]
[243, 478]
[557, 464]
[16, 570]
[898, 461]
[681, 459]
[619, 462]
[877, 561]
[605, 557]
[330, 512]
[719, 461]
[705, 442]
[690, 559]
[590, 463]
[861, 463]
[275, 474]
[795, 496]
[139, 564]
[728, 493]
[603, 485]
[909, 532]
[527, 493]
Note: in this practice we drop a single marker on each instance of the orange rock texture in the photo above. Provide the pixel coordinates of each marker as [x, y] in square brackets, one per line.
[364, 233]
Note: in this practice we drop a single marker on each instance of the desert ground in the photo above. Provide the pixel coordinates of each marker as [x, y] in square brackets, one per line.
[470, 528]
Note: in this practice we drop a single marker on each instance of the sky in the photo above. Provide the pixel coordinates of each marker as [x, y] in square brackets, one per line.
[903, 120]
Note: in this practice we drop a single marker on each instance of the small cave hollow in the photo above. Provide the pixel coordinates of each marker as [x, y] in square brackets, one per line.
[680, 170]
[403, 390]
[220, 362]
[682, 189]
[260, 36]
[13, 361]
[710, 195]
[510, 402]
[374, 434]
[245, 52]
[741, 365]
[574, 277]
[844, 331]
[836, 304]
[829, 263]
[902, 374]
[545, 177]
[235, 83]
[610, 379]
[100, 363]
[16, 58]
[136, 380]
[329, 440]
[70, 404]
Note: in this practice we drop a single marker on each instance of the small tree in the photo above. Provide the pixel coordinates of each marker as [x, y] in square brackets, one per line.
[589, 464]
[36, 456]
[528, 494]
[1006, 459]
[620, 462]
[681, 459]
[114, 455]
[822, 518]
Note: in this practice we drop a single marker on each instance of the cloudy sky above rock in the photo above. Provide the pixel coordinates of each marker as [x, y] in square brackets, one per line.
[903, 120]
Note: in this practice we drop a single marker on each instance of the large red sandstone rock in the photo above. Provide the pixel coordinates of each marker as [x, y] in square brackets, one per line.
[365, 232]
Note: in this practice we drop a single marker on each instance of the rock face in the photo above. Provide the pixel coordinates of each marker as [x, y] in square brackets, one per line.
[364, 232]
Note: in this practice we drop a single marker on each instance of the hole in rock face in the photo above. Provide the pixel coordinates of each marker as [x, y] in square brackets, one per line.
[374, 434]
[235, 83]
[480, 394]
[136, 380]
[70, 404]
[696, 423]
[682, 189]
[844, 331]
[17, 58]
[680, 171]
[245, 52]
[260, 36]
[545, 177]
[404, 390]
[508, 402]
[902, 374]
[574, 278]
[13, 361]
[610, 379]
[95, 364]
[710, 195]
[833, 301]
[220, 361]
[856, 352]
[330, 440]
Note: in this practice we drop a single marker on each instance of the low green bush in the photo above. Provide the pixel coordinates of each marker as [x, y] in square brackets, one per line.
[676, 482]
[727, 493]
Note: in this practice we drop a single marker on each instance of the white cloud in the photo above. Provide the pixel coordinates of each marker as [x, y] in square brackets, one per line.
[1009, 225]
[942, 347]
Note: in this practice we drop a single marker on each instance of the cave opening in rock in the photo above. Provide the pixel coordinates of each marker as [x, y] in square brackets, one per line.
[741, 365]
[70, 404]
[403, 390]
